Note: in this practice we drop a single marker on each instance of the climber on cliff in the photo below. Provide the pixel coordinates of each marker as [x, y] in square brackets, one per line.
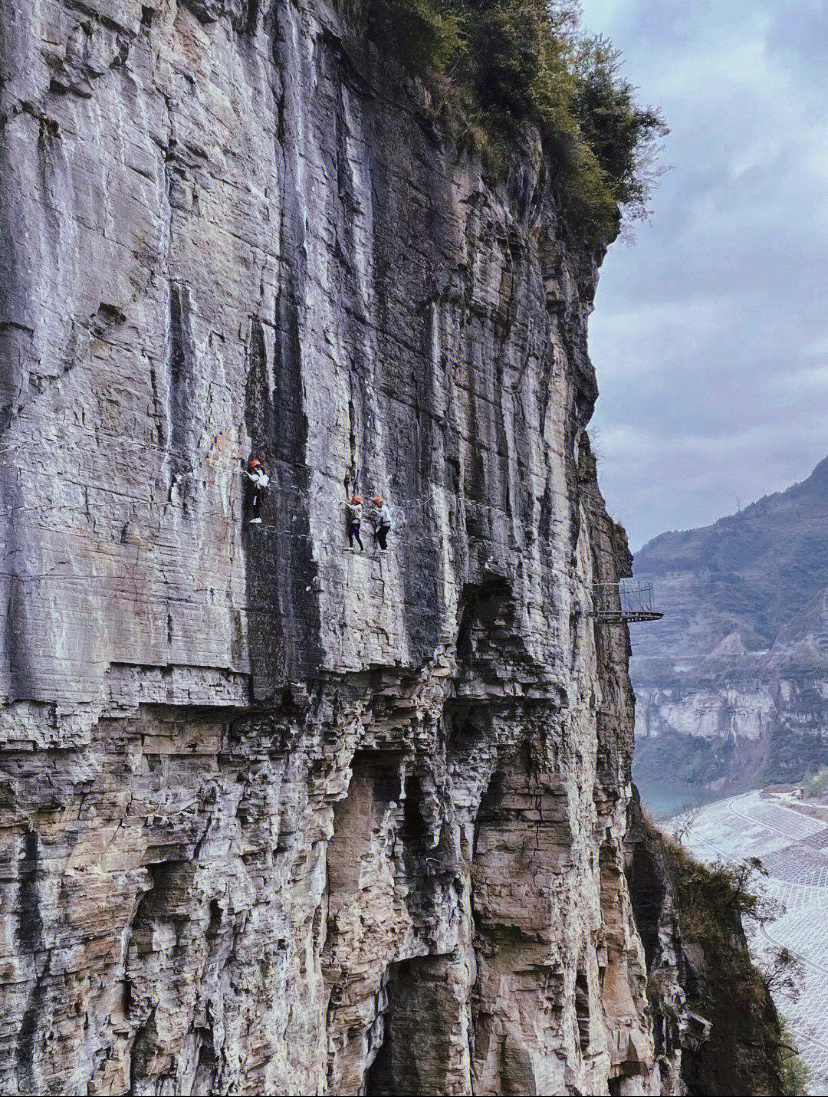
[381, 519]
[353, 512]
[258, 480]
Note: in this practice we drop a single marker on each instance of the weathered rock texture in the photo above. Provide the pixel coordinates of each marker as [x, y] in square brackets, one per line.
[277, 817]
[732, 683]
[716, 1028]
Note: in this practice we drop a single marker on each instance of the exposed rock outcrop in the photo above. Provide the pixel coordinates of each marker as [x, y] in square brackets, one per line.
[716, 1028]
[278, 817]
[732, 684]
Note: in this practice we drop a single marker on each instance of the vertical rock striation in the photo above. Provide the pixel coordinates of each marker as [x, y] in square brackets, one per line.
[277, 817]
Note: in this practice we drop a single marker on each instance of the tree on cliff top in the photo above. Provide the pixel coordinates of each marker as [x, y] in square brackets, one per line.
[495, 64]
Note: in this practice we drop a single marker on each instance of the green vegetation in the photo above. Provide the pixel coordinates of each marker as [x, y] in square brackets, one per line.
[494, 65]
[699, 761]
[794, 1071]
[817, 785]
[711, 900]
[726, 1026]
[702, 763]
[723, 984]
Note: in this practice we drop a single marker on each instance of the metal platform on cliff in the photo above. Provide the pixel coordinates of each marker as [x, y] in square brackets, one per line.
[626, 600]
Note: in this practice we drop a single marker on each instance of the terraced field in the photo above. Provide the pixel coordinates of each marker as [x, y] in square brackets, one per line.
[791, 838]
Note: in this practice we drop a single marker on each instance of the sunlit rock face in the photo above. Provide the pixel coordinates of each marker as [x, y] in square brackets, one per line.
[732, 683]
[278, 817]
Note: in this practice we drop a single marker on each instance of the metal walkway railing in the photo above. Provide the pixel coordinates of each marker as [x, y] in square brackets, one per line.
[627, 600]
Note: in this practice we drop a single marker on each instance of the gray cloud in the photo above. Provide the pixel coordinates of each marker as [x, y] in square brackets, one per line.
[710, 335]
[801, 28]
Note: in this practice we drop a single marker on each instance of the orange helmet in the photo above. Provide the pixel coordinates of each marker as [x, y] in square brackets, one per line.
[356, 499]
[254, 463]
[377, 500]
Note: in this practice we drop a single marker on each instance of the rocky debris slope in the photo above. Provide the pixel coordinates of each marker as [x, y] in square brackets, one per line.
[277, 817]
[732, 684]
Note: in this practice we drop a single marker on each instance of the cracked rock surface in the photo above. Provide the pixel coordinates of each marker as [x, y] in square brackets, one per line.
[276, 816]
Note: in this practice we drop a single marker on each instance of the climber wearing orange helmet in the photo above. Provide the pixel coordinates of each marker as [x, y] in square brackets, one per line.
[382, 521]
[258, 480]
[353, 511]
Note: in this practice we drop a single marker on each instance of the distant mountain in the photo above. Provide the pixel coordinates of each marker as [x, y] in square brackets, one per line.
[732, 683]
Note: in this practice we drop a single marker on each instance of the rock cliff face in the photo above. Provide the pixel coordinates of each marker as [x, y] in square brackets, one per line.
[277, 817]
[732, 684]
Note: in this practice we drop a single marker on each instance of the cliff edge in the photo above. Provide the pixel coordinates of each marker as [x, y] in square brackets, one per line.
[276, 816]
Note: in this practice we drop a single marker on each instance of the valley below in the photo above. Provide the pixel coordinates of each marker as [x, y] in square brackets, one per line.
[732, 683]
[790, 837]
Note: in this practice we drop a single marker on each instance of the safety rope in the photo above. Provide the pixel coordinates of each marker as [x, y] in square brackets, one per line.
[402, 513]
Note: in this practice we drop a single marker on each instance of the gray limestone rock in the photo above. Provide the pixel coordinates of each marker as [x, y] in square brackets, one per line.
[276, 816]
[732, 683]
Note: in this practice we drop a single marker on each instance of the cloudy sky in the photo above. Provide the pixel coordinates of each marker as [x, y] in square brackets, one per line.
[710, 335]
